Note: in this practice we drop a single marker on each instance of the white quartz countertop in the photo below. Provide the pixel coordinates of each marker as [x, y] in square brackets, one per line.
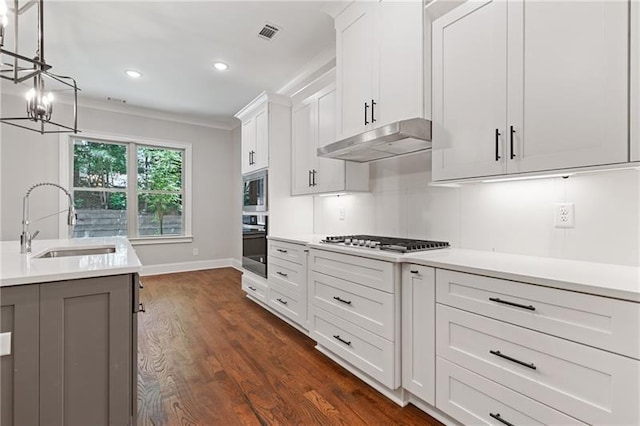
[16, 268]
[617, 281]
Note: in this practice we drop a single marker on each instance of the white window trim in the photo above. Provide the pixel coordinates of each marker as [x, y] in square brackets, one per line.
[65, 179]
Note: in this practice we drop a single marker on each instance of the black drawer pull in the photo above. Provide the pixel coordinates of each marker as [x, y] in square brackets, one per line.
[497, 145]
[517, 361]
[500, 419]
[282, 251]
[252, 288]
[337, 337]
[373, 111]
[284, 302]
[282, 274]
[346, 302]
[512, 154]
[517, 305]
[141, 307]
[140, 286]
[415, 272]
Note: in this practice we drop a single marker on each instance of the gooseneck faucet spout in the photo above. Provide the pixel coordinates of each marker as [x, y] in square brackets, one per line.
[26, 237]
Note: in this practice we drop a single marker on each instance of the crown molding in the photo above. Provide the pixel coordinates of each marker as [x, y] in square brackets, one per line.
[103, 105]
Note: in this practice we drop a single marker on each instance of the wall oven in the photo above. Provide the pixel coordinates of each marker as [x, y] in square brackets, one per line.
[254, 243]
[254, 195]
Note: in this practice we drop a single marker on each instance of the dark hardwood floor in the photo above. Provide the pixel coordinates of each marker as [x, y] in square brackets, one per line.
[209, 356]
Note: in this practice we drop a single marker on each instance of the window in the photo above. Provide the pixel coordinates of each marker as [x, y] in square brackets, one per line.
[129, 189]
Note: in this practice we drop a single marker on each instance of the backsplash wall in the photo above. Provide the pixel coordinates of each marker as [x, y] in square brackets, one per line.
[510, 217]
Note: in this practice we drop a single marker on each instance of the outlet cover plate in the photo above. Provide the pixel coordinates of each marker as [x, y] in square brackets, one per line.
[564, 215]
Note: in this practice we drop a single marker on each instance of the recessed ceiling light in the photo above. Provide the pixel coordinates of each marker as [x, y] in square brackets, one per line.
[220, 66]
[133, 73]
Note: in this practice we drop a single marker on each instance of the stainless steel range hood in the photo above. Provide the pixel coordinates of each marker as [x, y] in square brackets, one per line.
[401, 137]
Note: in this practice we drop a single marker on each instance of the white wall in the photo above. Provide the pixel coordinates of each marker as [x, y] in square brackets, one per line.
[28, 158]
[511, 217]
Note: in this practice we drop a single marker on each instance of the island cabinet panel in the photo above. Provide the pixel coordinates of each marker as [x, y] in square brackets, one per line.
[85, 340]
[19, 369]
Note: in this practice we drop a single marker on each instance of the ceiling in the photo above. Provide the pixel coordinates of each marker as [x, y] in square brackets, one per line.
[174, 43]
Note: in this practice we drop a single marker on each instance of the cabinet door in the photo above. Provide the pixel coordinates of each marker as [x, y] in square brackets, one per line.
[85, 333]
[418, 331]
[262, 139]
[19, 369]
[355, 48]
[568, 83]
[330, 173]
[400, 64]
[248, 145]
[303, 145]
[469, 91]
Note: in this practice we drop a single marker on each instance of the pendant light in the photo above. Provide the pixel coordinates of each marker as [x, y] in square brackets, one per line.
[36, 71]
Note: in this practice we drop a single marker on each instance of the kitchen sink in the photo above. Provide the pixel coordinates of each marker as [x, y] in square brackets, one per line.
[76, 251]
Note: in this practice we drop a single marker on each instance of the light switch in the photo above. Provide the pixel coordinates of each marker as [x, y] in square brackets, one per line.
[5, 343]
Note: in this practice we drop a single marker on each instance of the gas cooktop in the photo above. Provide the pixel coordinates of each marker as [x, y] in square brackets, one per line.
[401, 245]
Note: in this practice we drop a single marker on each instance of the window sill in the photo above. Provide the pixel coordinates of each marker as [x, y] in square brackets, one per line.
[143, 241]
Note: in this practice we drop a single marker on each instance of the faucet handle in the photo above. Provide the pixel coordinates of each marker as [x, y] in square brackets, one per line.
[34, 235]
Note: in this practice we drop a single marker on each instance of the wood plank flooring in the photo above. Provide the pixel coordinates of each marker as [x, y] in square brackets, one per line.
[209, 356]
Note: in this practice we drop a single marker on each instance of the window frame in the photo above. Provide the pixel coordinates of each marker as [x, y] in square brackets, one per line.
[132, 143]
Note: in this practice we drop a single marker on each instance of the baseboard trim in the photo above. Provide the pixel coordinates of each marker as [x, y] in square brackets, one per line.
[171, 268]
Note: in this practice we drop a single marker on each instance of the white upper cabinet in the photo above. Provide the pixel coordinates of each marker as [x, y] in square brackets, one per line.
[526, 86]
[379, 65]
[256, 130]
[314, 126]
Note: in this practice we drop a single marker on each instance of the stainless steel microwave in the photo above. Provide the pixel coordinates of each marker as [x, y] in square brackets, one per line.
[254, 195]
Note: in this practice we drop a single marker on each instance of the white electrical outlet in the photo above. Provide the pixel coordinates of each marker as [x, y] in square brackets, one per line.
[564, 215]
[341, 213]
[196, 252]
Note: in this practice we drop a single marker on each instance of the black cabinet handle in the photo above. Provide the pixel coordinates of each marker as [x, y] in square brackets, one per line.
[517, 361]
[282, 251]
[500, 419]
[415, 272]
[313, 173]
[512, 154]
[140, 286]
[373, 111]
[517, 305]
[366, 118]
[497, 145]
[337, 337]
[310, 184]
[346, 302]
[282, 274]
[252, 288]
[141, 307]
[284, 302]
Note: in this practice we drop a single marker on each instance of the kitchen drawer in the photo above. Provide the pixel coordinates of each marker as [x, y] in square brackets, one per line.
[370, 272]
[601, 322]
[293, 308]
[254, 288]
[287, 274]
[592, 385]
[292, 252]
[367, 351]
[371, 309]
[472, 399]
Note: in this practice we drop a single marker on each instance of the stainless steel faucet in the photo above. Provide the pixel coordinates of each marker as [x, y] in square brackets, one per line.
[26, 237]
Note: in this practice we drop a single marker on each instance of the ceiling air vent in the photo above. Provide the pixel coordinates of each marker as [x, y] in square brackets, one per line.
[268, 32]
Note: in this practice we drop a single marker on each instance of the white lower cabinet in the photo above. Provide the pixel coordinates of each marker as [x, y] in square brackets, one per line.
[355, 313]
[287, 281]
[256, 287]
[472, 399]
[533, 354]
[418, 331]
